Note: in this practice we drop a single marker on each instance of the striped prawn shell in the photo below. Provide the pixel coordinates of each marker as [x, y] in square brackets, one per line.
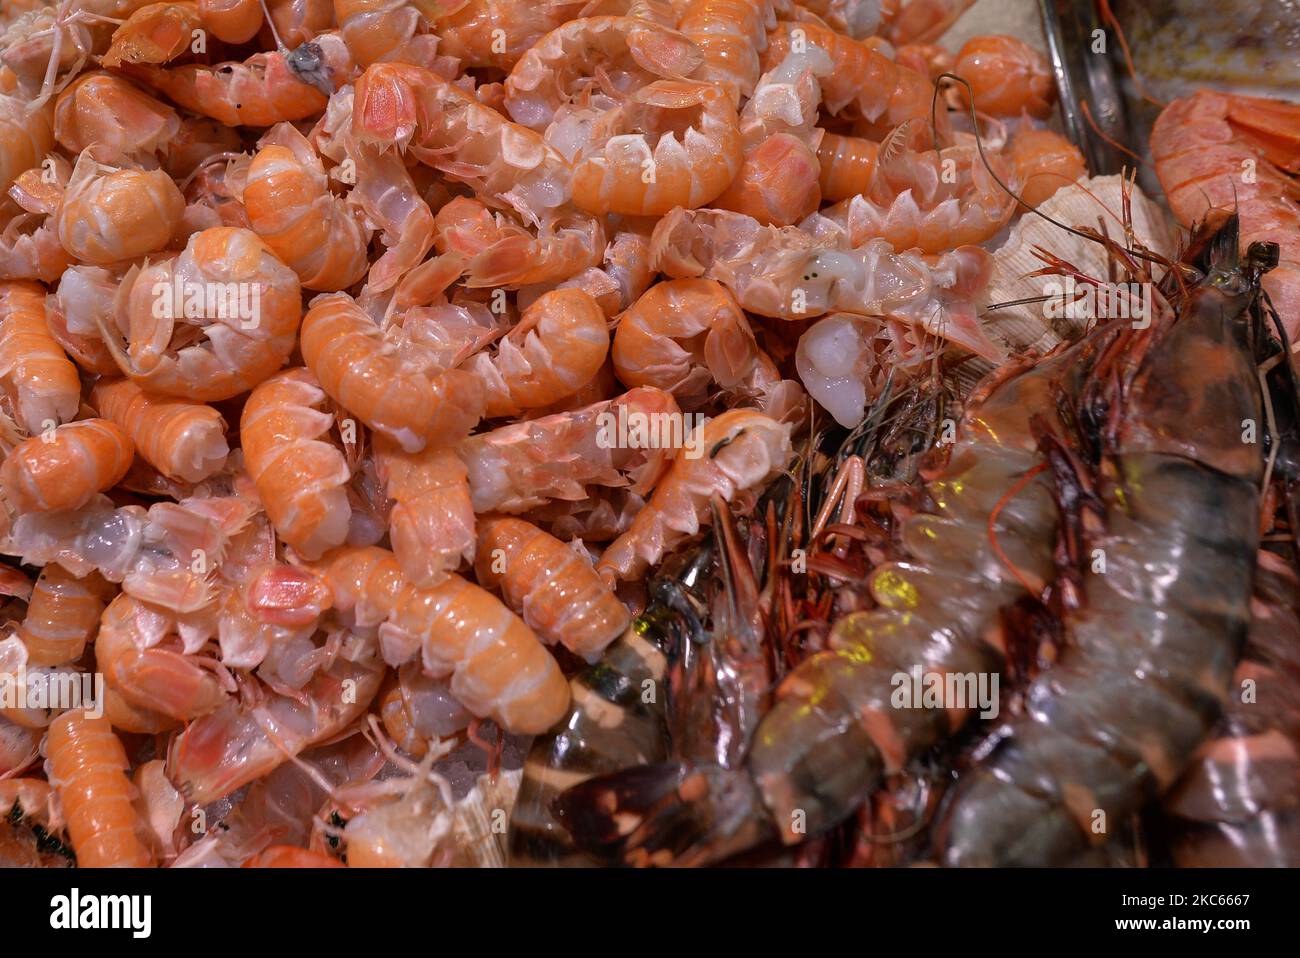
[609, 726]
[617, 719]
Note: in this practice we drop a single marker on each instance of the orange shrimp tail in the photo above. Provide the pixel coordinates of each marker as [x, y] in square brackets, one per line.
[300, 477]
[88, 766]
[62, 616]
[557, 591]
[66, 468]
[347, 353]
[779, 183]
[156, 33]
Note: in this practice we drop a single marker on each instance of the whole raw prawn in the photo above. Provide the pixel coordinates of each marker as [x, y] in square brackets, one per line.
[986, 541]
[150, 551]
[1101, 737]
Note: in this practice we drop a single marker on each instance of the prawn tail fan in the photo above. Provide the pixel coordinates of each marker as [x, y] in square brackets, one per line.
[664, 814]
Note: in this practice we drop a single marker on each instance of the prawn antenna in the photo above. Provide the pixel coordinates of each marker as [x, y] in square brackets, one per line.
[1109, 140]
[1027, 301]
[1112, 22]
[275, 34]
[992, 528]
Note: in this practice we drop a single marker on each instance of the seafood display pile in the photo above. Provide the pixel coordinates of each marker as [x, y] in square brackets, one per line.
[651, 432]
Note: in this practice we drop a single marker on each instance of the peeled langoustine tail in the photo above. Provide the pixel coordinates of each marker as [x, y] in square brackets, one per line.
[730, 455]
[39, 383]
[365, 374]
[88, 768]
[554, 589]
